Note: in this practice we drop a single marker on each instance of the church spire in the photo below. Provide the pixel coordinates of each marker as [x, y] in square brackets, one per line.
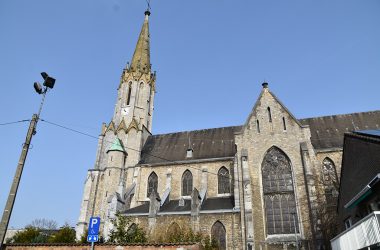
[141, 56]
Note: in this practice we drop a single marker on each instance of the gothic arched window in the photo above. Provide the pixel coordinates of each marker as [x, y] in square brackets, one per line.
[329, 172]
[140, 95]
[279, 199]
[152, 183]
[330, 181]
[129, 93]
[269, 114]
[218, 234]
[173, 232]
[223, 181]
[187, 183]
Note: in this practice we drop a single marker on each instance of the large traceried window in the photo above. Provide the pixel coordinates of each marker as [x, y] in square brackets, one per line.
[218, 233]
[279, 199]
[330, 181]
[187, 183]
[223, 181]
[152, 183]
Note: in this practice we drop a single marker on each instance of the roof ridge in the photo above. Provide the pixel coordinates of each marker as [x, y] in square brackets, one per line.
[346, 114]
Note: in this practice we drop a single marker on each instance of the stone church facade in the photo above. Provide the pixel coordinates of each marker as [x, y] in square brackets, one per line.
[254, 186]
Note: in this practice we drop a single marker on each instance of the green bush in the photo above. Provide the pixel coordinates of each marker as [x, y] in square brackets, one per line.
[66, 234]
[29, 235]
[124, 231]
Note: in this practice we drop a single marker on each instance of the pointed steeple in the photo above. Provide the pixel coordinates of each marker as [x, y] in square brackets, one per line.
[141, 56]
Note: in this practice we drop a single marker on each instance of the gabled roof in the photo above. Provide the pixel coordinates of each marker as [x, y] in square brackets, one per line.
[328, 131]
[206, 144]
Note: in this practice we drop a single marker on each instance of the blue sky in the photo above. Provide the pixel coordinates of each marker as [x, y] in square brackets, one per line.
[319, 57]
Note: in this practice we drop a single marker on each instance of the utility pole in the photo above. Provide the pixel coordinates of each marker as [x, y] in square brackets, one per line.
[48, 83]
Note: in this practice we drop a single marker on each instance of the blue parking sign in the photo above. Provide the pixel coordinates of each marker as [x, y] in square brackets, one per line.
[93, 229]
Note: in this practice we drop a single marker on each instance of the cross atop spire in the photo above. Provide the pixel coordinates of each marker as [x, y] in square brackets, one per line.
[141, 56]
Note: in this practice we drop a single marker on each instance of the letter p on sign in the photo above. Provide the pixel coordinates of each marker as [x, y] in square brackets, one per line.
[94, 221]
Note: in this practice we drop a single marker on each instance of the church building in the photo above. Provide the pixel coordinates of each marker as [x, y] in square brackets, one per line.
[254, 186]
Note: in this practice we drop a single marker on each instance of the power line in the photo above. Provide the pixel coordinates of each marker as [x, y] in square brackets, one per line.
[170, 161]
[9, 123]
[133, 149]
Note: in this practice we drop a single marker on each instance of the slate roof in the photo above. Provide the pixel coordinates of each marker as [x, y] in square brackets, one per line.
[206, 144]
[142, 209]
[328, 131]
[173, 206]
[216, 203]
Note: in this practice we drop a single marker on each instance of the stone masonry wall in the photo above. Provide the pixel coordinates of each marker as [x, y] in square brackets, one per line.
[256, 142]
[176, 172]
[231, 222]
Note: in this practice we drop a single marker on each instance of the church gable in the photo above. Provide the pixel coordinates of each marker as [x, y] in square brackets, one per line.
[270, 115]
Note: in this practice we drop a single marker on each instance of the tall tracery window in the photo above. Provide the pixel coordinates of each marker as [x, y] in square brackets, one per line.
[223, 181]
[152, 183]
[330, 181]
[218, 233]
[279, 199]
[187, 183]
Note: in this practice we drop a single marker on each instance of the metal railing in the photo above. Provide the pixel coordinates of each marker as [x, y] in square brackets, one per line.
[364, 233]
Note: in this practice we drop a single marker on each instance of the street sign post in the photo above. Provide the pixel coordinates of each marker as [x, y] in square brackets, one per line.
[93, 230]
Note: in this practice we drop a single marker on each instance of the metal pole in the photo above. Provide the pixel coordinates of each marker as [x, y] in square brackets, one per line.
[295, 229]
[92, 245]
[16, 180]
